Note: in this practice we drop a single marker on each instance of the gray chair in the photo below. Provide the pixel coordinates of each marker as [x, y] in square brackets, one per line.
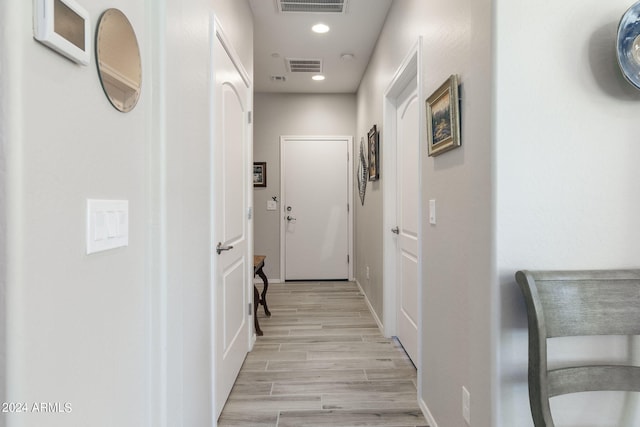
[577, 303]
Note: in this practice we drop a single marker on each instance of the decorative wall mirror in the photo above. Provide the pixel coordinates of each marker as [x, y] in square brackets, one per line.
[118, 59]
[628, 45]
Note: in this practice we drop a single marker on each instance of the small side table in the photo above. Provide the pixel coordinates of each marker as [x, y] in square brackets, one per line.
[259, 298]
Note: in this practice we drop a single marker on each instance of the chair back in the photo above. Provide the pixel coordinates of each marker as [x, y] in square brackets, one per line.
[577, 303]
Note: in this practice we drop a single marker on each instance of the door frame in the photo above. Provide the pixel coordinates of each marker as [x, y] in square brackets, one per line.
[283, 225]
[410, 67]
[217, 33]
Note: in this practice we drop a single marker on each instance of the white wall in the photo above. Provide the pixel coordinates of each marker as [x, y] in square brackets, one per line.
[567, 177]
[124, 335]
[545, 178]
[76, 324]
[457, 304]
[289, 114]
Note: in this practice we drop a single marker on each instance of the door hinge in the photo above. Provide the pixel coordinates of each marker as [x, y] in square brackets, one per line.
[348, 207]
[249, 117]
[348, 259]
[250, 309]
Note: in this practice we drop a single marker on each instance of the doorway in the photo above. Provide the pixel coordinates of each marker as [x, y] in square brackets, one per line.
[231, 238]
[316, 224]
[402, 206]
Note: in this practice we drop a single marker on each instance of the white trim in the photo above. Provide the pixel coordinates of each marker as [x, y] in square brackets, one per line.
[350, 215]
[373, 312]
[156, 261]
[228, 47]
[410, 67]
[431, 421]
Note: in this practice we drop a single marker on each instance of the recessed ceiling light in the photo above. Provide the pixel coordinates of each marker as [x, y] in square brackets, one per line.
[318, 77]
[347, 56]
[320, 28]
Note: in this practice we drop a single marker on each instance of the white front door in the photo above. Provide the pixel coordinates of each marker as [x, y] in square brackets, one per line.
[230, 224]
[408, 179]
[315, 208]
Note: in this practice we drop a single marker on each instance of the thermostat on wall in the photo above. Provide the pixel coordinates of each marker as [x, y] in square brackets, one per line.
[63, 26]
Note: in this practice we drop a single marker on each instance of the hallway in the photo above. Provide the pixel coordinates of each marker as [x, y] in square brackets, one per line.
[322, 362]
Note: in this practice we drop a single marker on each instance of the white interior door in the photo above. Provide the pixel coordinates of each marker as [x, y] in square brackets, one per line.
[230, 242]
[315, 208]
[408, 152]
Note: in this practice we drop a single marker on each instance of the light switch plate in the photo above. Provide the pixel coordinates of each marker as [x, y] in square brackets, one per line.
[272, 205]
[107, 224]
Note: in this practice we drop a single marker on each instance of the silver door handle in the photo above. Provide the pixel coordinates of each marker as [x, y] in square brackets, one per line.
[290, 218]
[395, 230]
[221, 248]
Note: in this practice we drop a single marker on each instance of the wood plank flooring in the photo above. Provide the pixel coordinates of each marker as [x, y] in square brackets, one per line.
[322, 362]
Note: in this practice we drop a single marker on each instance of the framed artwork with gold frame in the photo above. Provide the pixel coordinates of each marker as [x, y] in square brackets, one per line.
[443, 118]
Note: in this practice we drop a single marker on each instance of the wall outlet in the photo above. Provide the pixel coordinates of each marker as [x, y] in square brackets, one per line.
[466, 405]
[367, 272]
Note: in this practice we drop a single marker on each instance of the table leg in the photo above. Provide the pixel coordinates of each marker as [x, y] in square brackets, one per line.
[263, 298]
[256, 301]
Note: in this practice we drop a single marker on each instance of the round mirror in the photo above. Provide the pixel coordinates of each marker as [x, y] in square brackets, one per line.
[118, 59]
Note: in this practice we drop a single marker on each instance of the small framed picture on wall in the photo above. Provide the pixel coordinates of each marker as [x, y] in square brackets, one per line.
[259, 174]
[443, 118]
[374, 150]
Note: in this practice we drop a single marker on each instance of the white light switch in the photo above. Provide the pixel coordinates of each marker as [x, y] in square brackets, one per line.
[107, 224]
[272, 205]
[432, 211]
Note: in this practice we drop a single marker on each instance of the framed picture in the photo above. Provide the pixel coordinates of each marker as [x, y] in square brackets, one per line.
[64, 26]
[374, 150]
[362, 172]
[259, 174]
[443, 118]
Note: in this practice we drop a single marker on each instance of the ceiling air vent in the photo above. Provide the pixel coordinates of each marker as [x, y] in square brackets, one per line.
[304, 65]
[312, 6]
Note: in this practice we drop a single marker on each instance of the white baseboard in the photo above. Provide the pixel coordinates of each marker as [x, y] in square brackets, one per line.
[373, 312]
[423, 406]
[427, 413]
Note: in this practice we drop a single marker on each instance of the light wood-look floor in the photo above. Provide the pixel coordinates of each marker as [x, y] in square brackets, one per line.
[322, 362]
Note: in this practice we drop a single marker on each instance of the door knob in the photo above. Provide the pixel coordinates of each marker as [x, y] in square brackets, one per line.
[221, 248]
[395, 230]
[290, 218]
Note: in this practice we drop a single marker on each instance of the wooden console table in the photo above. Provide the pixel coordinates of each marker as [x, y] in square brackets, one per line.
[259, 298]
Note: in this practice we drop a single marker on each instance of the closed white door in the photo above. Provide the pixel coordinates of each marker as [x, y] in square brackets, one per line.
[230, 251]
[408, 152]
[315, 208]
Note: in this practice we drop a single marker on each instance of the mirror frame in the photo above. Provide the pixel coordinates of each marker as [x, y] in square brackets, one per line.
[111, 78]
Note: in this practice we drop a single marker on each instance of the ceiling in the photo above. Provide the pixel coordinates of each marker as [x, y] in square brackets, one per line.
[281, 36]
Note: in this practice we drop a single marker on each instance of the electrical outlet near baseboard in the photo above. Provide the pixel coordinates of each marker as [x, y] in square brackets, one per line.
[466, 405]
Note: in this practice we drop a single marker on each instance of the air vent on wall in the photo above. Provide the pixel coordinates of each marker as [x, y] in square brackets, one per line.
[312, 6]
[304, 65]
